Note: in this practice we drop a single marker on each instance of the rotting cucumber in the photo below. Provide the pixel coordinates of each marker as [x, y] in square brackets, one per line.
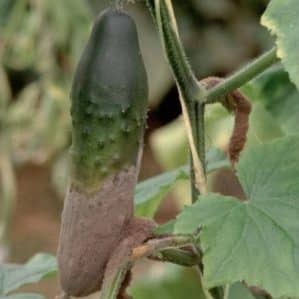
[109, 103]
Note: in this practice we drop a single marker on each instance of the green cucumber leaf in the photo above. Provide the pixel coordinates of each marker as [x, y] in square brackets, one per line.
[165, 229]
[14, 276]
[149, 194]
[281, 18]
[239, 291]
[278, 95]
[256, 240]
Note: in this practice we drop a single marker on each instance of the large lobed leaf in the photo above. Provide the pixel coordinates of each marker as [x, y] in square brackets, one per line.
[14, 276]
[256, 240]
[282, 18]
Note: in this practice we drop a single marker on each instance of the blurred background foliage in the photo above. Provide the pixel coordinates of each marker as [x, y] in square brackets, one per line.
[40, 44]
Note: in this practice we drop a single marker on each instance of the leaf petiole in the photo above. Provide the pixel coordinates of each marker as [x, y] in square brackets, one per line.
[241, 77]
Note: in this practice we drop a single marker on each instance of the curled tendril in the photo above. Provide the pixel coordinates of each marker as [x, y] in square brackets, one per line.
[237, 103]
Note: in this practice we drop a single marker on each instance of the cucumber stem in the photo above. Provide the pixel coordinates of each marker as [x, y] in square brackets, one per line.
[242, 76]
[188, 86]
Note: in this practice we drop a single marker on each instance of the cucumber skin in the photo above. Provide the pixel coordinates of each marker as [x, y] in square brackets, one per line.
[93, 226]
[109, 99]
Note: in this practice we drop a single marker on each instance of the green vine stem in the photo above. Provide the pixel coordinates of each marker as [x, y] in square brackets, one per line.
[174, 50]
[188, 88]
[152, 248]
[177, 256]
[239, 78]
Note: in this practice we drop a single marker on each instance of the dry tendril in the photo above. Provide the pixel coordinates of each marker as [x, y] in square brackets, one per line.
[238, 104]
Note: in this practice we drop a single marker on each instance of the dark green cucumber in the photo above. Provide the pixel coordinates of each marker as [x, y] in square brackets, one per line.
[109, 100]
[109, 97]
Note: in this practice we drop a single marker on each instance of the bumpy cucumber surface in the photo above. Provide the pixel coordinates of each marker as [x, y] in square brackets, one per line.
[109, 96]
[109, 99]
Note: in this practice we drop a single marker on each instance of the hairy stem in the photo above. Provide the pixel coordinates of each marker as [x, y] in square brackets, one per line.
[239, 78]
[188, 87]
[174, 50]
[198, 129]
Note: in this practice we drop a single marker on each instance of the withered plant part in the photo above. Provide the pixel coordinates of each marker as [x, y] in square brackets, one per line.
[236, 103]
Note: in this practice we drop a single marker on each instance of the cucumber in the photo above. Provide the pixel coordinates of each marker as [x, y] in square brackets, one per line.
[109, 98]
[109, 103]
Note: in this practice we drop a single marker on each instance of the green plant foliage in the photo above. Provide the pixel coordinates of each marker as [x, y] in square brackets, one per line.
[6, 7]
[255, 240]
[278, 95]
[281, 18]
[15, 276]
[170, 145]
[150, 193]
[239, 291]
[168, 282]
[42, 42]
